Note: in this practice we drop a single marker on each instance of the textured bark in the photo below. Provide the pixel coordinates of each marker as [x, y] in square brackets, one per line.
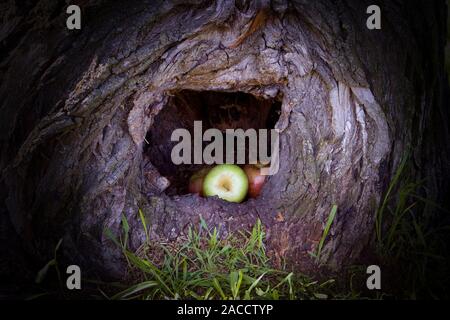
[77, 105]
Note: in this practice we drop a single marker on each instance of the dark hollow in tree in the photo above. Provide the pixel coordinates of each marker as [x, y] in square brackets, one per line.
[76, 107]
[219, 110]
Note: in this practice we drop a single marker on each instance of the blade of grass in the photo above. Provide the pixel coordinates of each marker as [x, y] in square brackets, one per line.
[330, 220]
[134, 289]
[144, 224]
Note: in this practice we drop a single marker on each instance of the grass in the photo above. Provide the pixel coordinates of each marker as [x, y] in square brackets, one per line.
[325, 232]
[205, 266]
[412, 236]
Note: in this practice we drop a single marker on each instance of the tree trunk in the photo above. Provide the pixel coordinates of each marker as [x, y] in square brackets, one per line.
[77, 107]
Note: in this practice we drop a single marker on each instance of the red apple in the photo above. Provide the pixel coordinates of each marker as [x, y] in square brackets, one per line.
[196, 181]
[255, 180]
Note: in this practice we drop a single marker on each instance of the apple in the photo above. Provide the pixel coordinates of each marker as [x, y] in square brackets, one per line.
[255, 180]
[227, 181]
[196, 181]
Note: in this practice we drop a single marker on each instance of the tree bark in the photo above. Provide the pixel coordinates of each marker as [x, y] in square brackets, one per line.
[77, 105]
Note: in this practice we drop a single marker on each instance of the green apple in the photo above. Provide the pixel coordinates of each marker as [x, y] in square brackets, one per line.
[227, 181]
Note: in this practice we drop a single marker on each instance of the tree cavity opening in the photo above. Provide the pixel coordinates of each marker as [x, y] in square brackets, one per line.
[215, 109]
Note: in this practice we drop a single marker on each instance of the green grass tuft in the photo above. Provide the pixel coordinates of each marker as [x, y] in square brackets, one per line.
[206, 266]
[412, 238]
